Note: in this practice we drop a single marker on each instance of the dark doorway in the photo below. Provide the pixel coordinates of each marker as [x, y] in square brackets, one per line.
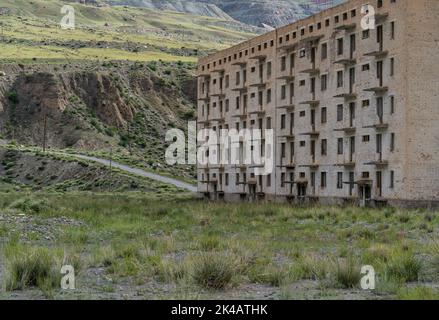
[365, 194]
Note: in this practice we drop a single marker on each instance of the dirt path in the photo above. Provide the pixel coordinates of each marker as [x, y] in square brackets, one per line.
[140, 172]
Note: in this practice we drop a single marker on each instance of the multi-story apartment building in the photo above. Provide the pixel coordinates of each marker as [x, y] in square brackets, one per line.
[355, 111]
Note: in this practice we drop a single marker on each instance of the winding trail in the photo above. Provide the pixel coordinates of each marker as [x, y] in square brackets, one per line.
[140, 172]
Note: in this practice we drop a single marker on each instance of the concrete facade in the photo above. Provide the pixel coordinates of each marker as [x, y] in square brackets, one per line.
[355, 112]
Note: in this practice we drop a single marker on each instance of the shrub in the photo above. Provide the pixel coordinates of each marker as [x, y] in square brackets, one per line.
[32, 267]
[404, 267]
[312, 267]
[209, 243]
[404, 218]
[377, 252]
[13, 97]
[213, 271]
[274, 276]
[348, 273]
[31, 205]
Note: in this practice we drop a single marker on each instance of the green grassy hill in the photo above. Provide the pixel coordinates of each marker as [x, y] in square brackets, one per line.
[30, 30]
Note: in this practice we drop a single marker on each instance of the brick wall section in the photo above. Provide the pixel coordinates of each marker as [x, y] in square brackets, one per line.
[361, 109]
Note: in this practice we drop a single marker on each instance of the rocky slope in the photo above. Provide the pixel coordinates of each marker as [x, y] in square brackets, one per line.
[119, 106]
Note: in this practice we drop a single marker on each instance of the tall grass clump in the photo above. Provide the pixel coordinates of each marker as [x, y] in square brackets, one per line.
[311, 267]
[213, 271]
[347, 273]
[31, 267]
[31, 205]
[403, 267]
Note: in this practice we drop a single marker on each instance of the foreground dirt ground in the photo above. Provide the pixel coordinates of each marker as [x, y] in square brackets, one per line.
[145, 246]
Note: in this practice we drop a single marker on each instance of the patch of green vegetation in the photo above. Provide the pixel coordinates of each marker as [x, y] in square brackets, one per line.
[185, 245]
[32, 33]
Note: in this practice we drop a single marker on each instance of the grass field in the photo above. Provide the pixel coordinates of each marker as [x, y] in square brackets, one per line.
[31, 30]
[150, 246]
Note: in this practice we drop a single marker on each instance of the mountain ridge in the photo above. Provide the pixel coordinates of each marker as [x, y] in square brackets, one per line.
[260, 13]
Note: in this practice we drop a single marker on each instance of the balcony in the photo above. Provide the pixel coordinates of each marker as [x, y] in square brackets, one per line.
[379, 161]
[346, 95]
[205, 167]
[312, 103]
[380, 126]
[380, 53]
[346, 27]
[378, 90]
[347, 164]
[346, 61]
[380, 17]
[313, 166]
[313, 71]
[204, 121]
[260, 84]
[312, 39]
[288, 107]
[313, 133]
[260, 57]
[288, 136]
[288, 47]
[205, 75]
[219, 70]
[221, 118]
[240, 88]
[219, 167]
[259, 111]
[241, 167]
[218, 93]
[241, 64]
[205, 97]
[347, 130]
[287, 77]
[241, 115]
[290, 165]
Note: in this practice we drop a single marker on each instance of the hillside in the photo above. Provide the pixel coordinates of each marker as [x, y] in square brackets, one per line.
[274, 13]
[122, 108]
[111, 87]
[31, 30]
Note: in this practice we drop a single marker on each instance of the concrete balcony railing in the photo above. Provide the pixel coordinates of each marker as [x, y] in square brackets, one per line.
[287, 74]
[310, 99]
[347, 59]
[218, 93]
[380, 160]
[205, 97]
[259, 83]
[377, 86]
[348, 126]
[380, 124]
[346, 160]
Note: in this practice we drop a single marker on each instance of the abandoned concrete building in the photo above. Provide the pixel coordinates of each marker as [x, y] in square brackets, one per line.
[354, 110]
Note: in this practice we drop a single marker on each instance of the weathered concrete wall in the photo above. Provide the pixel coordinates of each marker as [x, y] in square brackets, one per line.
[409, 44]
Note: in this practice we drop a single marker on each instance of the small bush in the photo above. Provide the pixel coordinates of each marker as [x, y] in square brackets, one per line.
[404, 218]
[31, 205]
[13, 97]
[348, 273]
[377, 252]
[312, 267]
[275, 276]
[403, 267]
[213, 271]
[31, 268]
[209, 243]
